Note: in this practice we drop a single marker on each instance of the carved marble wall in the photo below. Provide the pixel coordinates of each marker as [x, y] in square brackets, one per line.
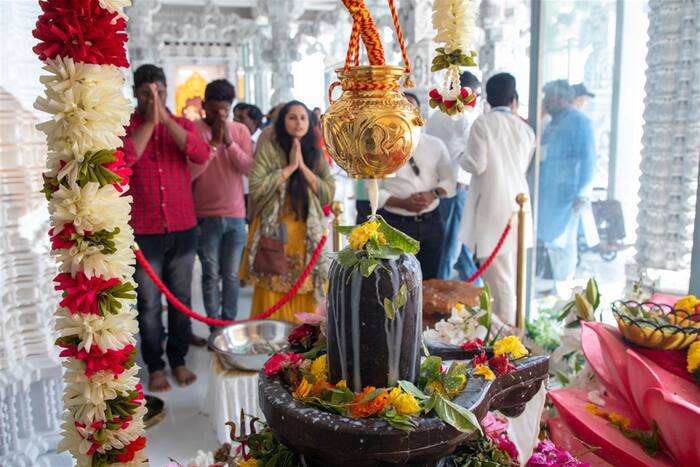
[30, 373]
[671, 141]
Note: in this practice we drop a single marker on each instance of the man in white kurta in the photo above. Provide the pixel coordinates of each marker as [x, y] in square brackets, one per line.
[409, 200]
[498, 153]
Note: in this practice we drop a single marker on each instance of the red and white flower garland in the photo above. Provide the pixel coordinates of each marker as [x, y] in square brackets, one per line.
[82, 43]
[454, 22]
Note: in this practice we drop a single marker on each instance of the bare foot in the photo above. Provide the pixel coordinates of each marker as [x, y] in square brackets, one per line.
[158, 382]
[183, 376]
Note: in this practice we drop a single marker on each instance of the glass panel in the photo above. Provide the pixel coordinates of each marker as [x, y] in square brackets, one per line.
[588, 176]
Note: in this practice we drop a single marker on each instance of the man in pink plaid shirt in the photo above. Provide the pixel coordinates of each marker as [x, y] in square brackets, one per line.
[157, 147]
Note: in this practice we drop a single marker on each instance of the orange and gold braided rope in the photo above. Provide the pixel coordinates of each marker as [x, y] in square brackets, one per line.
[367, 30]
[399, 35]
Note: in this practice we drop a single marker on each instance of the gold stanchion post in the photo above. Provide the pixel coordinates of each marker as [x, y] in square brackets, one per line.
[337, 208]
[521, 199]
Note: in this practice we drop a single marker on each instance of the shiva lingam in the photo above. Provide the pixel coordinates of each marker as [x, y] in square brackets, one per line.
[374, 302]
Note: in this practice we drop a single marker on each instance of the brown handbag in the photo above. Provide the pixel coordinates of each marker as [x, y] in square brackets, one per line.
[270, 258]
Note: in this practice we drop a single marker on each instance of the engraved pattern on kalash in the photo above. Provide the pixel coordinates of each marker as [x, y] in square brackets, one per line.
[371, 133]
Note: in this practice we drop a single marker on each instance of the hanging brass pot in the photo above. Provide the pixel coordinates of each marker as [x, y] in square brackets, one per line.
[372, 130]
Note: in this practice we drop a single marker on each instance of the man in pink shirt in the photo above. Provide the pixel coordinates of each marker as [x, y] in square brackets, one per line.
[217, 189]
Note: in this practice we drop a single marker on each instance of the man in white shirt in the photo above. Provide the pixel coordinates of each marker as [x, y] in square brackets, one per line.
[409, 200]
[497, 154]
[454, 133]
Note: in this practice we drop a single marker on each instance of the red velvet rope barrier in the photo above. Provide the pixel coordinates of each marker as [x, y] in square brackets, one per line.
[493, 254]
[224, 322]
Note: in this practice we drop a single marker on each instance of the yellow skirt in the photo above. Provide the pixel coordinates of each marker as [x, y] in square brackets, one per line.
[263, 299]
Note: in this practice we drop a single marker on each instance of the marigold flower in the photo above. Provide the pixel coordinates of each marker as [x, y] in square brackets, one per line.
[693, 358]
[252, 462]
[319, 368]
[687, 303]
[366, 409]
[483, 370]
[510, 345]
[303, 389]
[403, 402]
[363, 233]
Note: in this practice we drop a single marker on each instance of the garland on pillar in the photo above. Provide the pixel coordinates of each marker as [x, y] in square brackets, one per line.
[81, 43]
[455, 23]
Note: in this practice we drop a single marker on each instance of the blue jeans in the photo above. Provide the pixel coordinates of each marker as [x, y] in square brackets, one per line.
[454, 253]
[220, 246]
[171, 256]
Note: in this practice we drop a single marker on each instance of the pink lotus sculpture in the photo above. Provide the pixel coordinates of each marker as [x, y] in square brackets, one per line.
[639, 389]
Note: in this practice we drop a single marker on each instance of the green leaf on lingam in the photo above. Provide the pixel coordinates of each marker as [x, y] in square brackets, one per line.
[400, 422]
[92, 169]
[411, 388]
[455, 379]
[347, 258]
[455, 415]
[389, 309]
[397, 239]
[367, 266]
[430, 370]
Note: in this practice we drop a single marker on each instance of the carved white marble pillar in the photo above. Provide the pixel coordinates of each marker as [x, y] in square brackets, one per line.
[282, 47]
[142, 46]
[671, 141]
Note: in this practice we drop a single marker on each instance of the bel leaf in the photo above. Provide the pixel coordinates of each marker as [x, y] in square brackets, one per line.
[396, 238]
[344, 229]
[411, 388]
[389, 309]
[456, 415]
[347, 258]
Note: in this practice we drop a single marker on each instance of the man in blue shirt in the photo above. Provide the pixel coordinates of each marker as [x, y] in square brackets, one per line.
[566, 171]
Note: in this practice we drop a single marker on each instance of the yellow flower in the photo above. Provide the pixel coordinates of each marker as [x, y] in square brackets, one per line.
[403, 402]
[592, 408]
[342, 384]
[687, 303]
[302, 390]
[319, 368]
[693, 358]
[252, 462]
[435, 387]
[483, 370]
[363, 233]
[510, 345]
[618, 420]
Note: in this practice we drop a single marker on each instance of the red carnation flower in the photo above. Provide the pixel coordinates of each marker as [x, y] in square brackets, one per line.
[281, 361]
[501, 365]
[82, 30]
[82, 294]
[464, 92]
[120, 169]
[435, 94]
[98, 360]
[473, 344]
[303, 335]
[450, 104]
[131, 449]
[479, 359]
[63, 239]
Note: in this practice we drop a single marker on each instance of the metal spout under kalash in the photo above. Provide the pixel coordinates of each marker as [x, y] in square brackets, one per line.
[371, 131]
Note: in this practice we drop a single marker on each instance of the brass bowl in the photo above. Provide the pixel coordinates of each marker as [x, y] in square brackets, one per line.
[371, 133]
[662, 327]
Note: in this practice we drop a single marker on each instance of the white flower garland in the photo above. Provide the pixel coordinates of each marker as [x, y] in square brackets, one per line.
[454, 22]
[102, 397]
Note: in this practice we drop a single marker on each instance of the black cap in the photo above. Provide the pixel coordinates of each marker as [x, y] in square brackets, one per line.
[580, 90]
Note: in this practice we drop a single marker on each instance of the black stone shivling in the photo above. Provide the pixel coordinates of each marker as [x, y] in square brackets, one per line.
[365, 346]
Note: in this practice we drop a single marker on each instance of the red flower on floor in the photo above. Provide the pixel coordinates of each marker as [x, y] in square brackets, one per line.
[82, 294]
[501, 364]
[131, 449]
[303, 335]
[473, 344]
[281, 361]
[82, 30]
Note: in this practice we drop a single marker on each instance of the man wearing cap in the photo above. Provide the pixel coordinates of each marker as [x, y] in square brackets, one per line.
[567, 166]
[581, 96]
